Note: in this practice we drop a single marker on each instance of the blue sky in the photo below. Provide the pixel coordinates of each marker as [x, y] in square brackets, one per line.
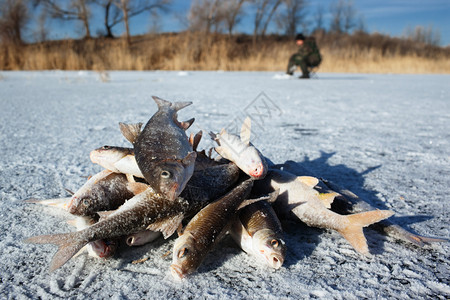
[391, 17]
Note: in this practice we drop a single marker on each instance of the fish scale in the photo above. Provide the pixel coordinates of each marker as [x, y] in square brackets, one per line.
[163, 152]
[204, 229]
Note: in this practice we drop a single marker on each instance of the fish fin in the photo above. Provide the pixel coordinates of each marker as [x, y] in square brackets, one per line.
[398, 232]
[273, 196]
[137, 187]
[164, 103]
[184, 124]
[57, 202]
[68, 245]
[105, 214]
[247, 202]
[130, 178]
[72, 222]
[167, 226]
[189, 159]
[191, 139]
[353, 233]
[246, 131]
[69, 191]
[180, 230]
[84, 248]
[196, 140]
[130, 131]
[327, 198]
[214, 137]
[308, 180]
[426, 239]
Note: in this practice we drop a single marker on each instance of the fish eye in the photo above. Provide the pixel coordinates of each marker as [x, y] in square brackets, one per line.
[106, 147]
[274, 243]
[182, 252]
[85, 202]
[166, 174]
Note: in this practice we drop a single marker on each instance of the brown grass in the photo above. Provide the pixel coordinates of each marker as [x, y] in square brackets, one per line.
[358, 53]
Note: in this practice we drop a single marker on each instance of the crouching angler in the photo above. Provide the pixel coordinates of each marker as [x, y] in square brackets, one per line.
[307, 57]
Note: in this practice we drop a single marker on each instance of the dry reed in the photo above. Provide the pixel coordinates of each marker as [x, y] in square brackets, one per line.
[192, 51]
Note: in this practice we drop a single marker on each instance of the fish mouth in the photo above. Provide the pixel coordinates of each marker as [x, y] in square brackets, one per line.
[102, 249]
[257, 171]
[71, 208]
[275, 261]
[176, 272]
[173, 192]
[132, 240]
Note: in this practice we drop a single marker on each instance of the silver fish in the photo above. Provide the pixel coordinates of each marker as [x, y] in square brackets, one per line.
[240, 151]
[99, 248]
[299, 199]
[104, 191]
[116, 159]
[209, 181]
[163, 152]
[147, 210]
[351, 203]
[347, 202]
[258, 231]
[142, 237]
[204, 229]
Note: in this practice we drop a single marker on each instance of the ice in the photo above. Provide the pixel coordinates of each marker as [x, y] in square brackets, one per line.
[384, 137]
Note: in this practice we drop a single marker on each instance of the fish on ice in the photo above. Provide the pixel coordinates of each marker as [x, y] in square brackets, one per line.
[258, 231]
[298, 198]
[240, 151]
[205, 229]
[146, 210]
[162, 149]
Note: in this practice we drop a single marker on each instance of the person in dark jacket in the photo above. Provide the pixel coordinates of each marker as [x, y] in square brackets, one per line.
[307, 56]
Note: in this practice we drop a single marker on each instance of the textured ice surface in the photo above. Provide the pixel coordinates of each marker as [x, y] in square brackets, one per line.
[385, 137]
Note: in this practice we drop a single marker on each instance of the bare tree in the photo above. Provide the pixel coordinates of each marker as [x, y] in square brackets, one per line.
[348, 16]
[78, 10]
[232, 10]
[343, 16]
[13, 19]
[204, 15]
[133, 8]
[318, 18]
[293, 16]
[336, 9]
[112, 16]
[41, 32]
[265, 9]
[424, 35]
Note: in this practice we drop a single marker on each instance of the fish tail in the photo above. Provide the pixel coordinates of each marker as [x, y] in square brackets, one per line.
[353, 232]
[57, 202]
[164, 103]
[68, 245]
[407, 236]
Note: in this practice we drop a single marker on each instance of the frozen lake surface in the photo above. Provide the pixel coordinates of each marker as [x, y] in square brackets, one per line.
[385, 137]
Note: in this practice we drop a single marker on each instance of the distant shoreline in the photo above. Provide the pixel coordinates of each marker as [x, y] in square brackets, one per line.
[344, 53]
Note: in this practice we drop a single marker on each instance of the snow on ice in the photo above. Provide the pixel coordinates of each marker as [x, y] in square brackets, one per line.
[384, 137]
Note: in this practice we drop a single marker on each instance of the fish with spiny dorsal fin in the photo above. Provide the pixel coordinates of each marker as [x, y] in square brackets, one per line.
[240, 151]
[209, 180]
[162, 149]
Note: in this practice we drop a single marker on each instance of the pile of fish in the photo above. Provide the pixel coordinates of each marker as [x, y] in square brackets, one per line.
[163, 184]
